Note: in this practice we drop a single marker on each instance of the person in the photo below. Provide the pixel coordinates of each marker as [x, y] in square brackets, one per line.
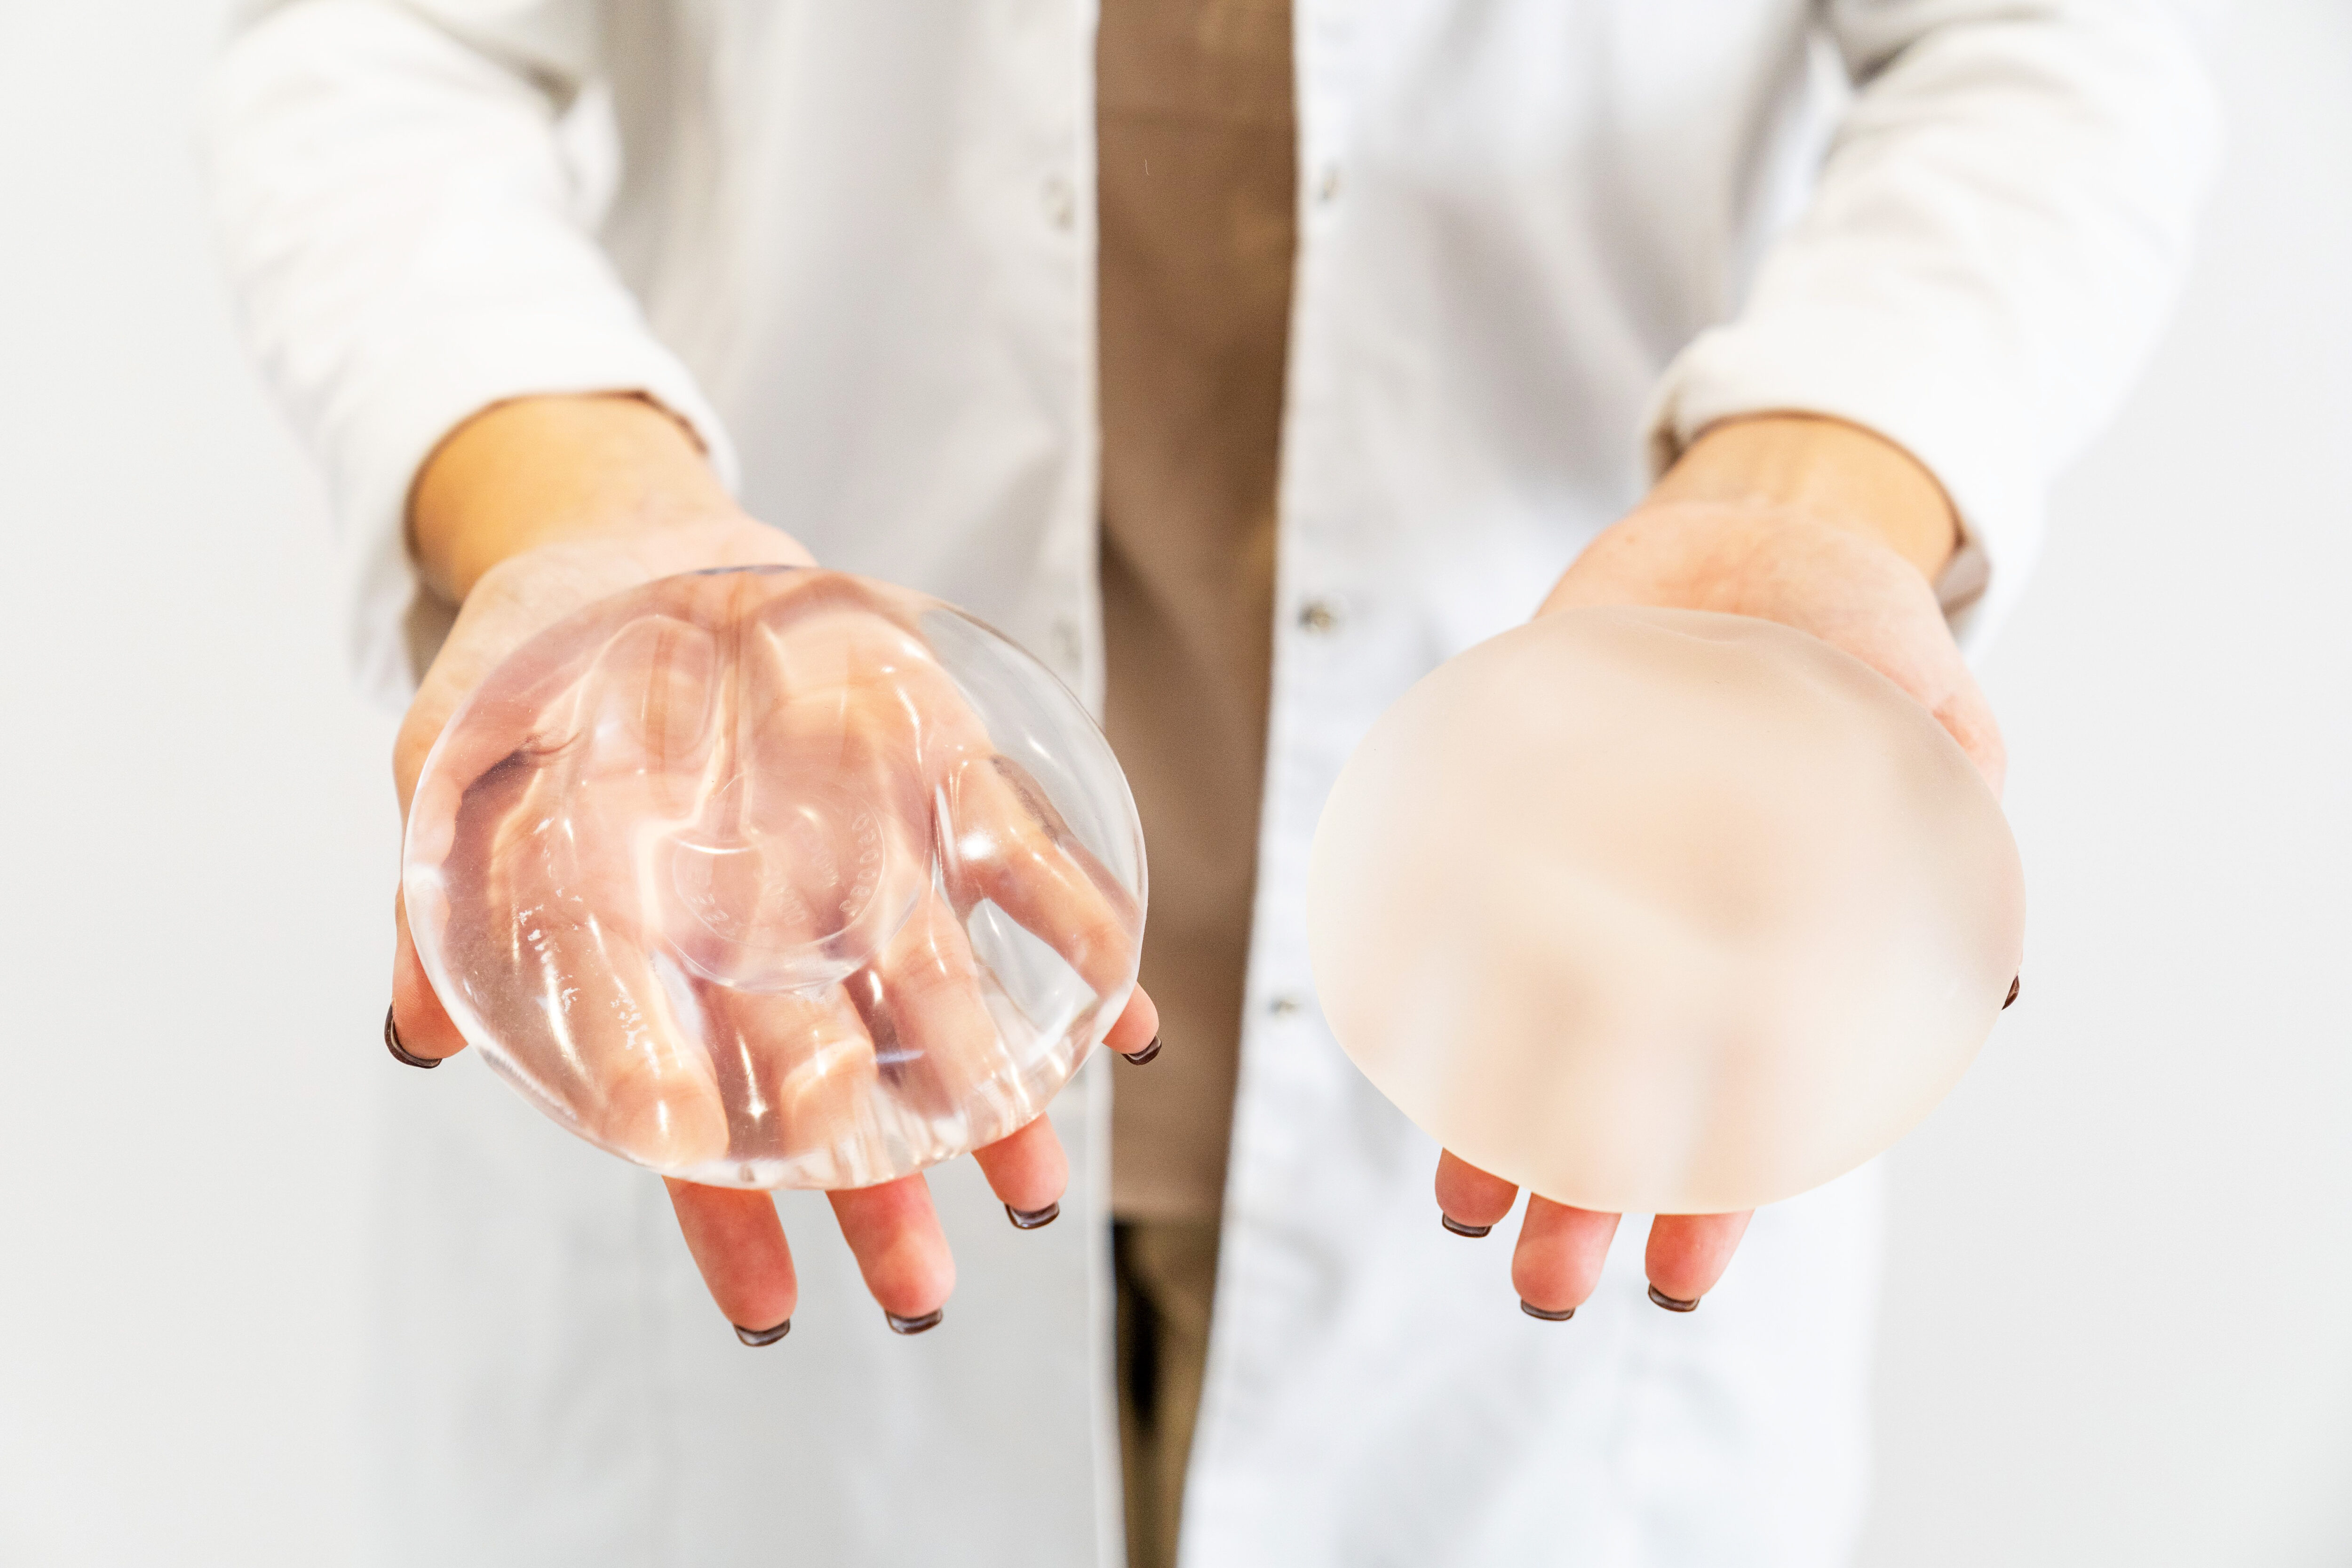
[1244, 360]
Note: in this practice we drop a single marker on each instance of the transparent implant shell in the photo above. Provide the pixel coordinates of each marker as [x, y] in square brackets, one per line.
[776, 877]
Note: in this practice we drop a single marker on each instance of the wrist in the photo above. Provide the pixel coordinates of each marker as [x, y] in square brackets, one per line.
[538, 471]
[1838, 473]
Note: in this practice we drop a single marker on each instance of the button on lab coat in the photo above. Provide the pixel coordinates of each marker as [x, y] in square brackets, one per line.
[1540, 244]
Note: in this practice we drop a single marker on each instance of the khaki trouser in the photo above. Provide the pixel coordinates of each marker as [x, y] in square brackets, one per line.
[1167, 1273]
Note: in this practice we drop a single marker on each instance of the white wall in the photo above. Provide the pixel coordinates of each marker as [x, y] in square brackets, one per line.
[198, 843]
[2113, 1322]
[2119, 1302]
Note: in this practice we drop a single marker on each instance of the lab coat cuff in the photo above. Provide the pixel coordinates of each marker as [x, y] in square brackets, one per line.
[1922, 400]
[436, 386]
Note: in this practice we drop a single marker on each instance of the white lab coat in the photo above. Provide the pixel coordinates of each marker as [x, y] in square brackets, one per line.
[1541, 242]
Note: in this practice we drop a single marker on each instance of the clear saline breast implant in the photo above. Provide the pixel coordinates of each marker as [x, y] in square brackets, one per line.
[777, 877]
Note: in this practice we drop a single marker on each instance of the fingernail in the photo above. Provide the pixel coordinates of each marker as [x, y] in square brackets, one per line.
[400, 1052]
[1033, 1219]
[1672, 1303]
[921, 1325]
[1472, 1231]
[755, 1337]
[1143, 1058]
[1532, 1311]
[2012, 993]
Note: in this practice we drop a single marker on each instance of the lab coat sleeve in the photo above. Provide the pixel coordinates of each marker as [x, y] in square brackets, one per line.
[2000, 225]
[401, 231]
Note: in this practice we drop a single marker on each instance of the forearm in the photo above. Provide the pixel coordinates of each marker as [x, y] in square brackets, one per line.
[1835, 472]
[544, 470]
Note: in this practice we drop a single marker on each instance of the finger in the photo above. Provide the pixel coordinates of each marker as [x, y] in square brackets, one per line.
[1006, 843]
[1689, 1253]
[738, 1244]
[522, 880]
[1469, 1201]
[933, 1037]
[1028, 1171]
[421, 1026]
[656, 1091]
[543, 913]
[616, 1050]
[797, 1072]
[903, 1255]
[1134, 1033]
[1558, 1260]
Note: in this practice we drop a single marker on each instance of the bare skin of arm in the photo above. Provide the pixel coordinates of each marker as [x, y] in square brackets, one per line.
[1839, 474]
[556, 470]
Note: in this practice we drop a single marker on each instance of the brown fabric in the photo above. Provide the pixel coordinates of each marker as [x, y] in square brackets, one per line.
[1167, 1272]
[1197, 174]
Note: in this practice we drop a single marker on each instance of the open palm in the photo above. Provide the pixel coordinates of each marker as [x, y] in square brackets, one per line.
[735, 903]
[1776, 563]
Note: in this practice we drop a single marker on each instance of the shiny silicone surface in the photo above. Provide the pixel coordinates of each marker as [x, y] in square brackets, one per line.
[777, 877]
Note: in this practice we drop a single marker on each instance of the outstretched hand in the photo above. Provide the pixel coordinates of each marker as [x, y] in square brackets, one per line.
[1816, 525]
[509, 595]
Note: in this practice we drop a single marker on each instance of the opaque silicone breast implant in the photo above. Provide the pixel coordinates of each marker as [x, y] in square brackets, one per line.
[777, 877]
[1662, 911]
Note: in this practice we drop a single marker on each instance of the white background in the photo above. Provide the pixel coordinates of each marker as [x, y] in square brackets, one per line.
[2119, 1321]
